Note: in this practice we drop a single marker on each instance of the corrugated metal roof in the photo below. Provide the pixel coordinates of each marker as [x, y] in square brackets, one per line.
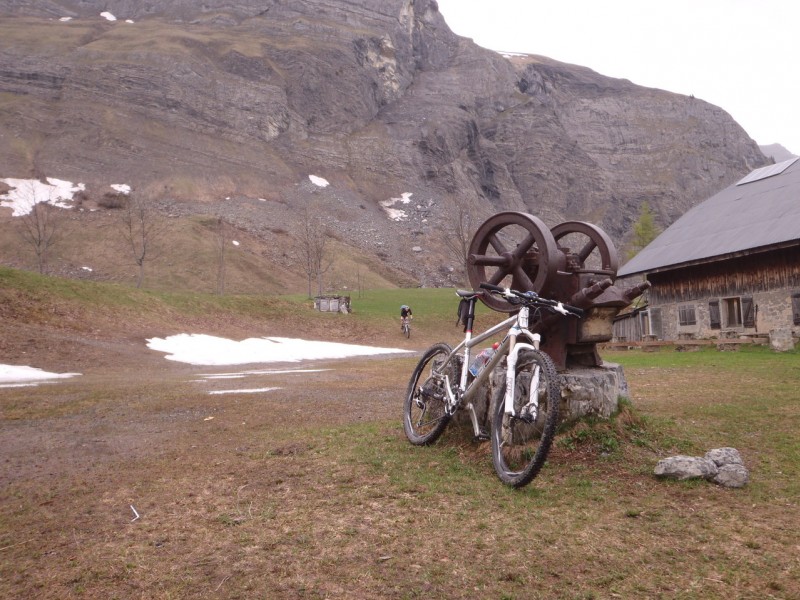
[742, 217]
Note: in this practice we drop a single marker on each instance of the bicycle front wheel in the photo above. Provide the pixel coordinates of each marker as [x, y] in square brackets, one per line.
[407, 330]
[520, 442]
[425, 407]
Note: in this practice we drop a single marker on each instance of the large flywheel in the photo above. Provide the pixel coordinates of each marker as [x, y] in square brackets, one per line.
[513, 249]
[587, 249]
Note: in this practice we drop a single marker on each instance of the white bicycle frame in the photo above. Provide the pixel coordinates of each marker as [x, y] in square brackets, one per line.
[518, 326]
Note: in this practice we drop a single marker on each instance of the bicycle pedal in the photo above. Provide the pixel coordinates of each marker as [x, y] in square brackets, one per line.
[482, 436]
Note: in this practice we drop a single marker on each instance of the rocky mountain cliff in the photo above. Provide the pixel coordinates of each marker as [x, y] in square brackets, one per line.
[776, 152]
[230, 106]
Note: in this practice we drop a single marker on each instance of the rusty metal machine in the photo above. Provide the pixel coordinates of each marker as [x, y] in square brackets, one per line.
[574, 262]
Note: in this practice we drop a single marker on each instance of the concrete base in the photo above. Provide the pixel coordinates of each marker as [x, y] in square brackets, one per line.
[585, 391]
[592, 391]
[781, 340]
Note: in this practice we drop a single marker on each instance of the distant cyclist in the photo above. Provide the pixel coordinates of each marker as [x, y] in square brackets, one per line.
[405, 315]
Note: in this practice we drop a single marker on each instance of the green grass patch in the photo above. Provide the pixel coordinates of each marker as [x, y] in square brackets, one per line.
[321, 474]
[39, 289]
[429, 305]
[748, 356]
[32, 297]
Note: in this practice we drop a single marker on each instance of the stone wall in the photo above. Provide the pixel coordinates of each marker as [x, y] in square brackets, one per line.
[585, 391]
[332, 304]
[592, 391]
[773, 311]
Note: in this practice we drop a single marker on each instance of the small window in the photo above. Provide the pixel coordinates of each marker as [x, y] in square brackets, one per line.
[686, 315]
[796, 308]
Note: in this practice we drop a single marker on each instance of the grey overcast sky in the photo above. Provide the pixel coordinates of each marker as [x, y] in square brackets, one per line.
[741, 55]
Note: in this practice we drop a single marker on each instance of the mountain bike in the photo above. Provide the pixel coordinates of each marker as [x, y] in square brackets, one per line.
[405, 325]
[525, 406]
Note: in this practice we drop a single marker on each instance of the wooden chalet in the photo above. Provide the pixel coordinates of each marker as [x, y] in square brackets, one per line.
[729, 267]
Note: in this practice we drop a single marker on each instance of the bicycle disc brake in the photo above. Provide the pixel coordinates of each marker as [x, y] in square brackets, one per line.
[530, 411]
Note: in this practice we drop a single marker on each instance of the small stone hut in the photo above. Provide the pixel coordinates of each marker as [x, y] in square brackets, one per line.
[339, 304]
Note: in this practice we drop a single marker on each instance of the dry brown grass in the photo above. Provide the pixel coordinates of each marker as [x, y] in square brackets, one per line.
[311, 491]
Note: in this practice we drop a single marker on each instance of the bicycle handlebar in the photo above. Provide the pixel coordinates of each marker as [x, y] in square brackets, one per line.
[534, 299]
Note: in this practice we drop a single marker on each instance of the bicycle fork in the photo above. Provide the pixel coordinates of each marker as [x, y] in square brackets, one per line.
[531, 403]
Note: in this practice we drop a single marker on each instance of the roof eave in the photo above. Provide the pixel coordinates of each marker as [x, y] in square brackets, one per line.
[713, 259]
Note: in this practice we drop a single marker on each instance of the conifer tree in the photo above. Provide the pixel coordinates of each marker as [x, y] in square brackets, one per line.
[644, 230]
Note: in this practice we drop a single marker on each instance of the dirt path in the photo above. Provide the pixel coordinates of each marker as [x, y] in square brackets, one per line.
[175, 444]
[130, 402]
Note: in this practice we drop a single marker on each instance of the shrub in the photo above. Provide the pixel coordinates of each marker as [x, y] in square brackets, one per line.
[113, 200]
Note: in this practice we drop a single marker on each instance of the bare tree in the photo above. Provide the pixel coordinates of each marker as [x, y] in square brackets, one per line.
[459, 232]
[312, 247]
[222, 244]
[39, 226]
[141, 226]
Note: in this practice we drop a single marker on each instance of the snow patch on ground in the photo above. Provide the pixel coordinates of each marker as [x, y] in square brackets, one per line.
[122, 188]
[199, 349]
[396, 214]
[26, 193]
[318, 181]
[243, 374]
[18, 376]
[108, 16]
[251, 391]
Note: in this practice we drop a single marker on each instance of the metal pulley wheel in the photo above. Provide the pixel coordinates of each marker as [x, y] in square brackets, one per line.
[587, 249]
[516, 250]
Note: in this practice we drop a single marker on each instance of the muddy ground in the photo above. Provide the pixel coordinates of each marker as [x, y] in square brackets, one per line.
[133, 480]
[139, 450]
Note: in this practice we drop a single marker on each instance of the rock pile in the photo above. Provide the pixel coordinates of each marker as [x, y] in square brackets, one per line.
[723, 466]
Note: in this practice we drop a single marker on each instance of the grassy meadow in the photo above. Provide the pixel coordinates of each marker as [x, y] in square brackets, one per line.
[311, 491]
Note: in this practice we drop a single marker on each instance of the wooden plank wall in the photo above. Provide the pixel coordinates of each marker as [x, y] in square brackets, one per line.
[755, 272]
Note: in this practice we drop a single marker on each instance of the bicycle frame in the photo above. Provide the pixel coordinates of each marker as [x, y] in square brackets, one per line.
[521, 413]
[517, 326]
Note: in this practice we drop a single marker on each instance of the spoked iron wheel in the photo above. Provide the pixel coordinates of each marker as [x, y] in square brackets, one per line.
[587, 249]
[516, 250]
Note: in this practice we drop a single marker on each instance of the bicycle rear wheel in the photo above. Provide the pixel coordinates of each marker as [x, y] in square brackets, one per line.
[424, 410]
[520, 443]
